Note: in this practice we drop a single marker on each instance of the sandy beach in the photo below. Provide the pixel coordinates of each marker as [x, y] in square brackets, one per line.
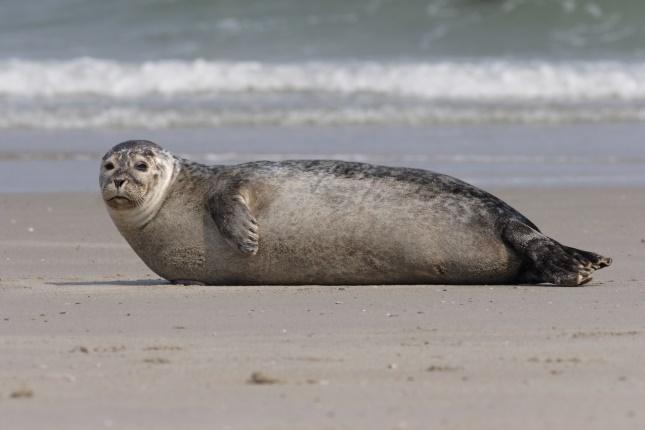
[90, 338]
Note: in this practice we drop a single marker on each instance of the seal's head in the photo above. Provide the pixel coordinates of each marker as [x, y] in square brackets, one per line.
[134, 178]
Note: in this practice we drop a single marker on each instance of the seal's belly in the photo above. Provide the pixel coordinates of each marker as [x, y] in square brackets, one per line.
[323, 239]
[305, 239]
[357, 251]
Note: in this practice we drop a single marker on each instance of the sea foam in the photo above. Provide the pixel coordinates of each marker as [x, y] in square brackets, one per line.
[478, 80]
[95, 93]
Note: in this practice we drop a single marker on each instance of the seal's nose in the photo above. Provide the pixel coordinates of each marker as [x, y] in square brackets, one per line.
[118, 183]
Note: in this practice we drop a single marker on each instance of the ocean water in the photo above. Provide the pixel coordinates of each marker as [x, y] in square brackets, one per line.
[203, 72]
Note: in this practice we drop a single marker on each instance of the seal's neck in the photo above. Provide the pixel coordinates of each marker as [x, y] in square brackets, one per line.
[140, 216]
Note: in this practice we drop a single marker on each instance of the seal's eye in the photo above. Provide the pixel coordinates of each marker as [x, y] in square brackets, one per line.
[141, 166]
[109, 166]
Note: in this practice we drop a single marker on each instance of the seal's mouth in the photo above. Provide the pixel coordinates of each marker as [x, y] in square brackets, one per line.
[120, 202]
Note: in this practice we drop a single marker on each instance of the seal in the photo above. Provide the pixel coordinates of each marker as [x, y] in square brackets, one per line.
[323, 222]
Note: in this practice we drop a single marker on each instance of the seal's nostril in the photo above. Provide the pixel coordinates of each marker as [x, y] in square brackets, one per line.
[119, 182]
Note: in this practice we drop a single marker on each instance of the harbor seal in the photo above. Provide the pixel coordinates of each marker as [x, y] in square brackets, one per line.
[323, 222]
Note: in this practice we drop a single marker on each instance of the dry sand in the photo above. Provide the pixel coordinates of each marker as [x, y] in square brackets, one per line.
[90, 338]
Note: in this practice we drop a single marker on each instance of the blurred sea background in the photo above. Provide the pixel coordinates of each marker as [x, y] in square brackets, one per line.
[497, 92]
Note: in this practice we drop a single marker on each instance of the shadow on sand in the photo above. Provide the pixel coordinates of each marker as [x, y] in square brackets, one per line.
[127, 283]
[445, 287]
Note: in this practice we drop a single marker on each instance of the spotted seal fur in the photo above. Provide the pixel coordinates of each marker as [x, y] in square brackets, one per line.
[323, 222]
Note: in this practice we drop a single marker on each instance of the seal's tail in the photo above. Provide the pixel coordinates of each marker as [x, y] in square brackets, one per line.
[547, 261]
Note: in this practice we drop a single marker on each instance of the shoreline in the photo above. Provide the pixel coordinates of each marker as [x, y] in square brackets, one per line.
[486, 155]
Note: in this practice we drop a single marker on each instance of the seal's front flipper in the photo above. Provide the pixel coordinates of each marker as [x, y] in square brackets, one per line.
[547, 261]
[235, 222]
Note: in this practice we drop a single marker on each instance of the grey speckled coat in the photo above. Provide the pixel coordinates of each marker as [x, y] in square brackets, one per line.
[334, 222]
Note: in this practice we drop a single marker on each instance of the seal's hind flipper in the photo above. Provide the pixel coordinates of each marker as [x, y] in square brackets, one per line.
[547, 261]
[234, 221]
[589, 259]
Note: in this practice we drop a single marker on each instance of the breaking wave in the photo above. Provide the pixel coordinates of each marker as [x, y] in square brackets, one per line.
[96, 93]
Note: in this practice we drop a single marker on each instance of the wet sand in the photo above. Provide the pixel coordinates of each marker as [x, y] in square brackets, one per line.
[90, 338]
